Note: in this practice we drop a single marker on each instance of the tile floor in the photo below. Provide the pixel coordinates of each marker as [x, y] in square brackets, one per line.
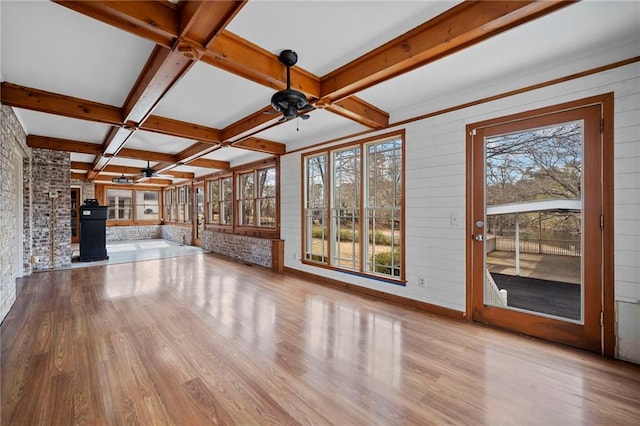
[136, 251]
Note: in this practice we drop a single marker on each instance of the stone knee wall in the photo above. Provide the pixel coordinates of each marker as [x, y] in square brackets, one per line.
[123, 233]
[178, 234]
[249, 249]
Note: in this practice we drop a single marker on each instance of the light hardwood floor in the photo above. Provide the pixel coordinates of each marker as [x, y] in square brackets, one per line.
[204, 340]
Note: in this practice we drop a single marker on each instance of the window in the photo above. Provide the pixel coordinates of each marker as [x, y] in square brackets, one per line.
[221, 201]
[257, 198]
[316, 239]
[147, 205]
[266, 197]
[183, 205]
[121, 207]
[169, 205]
[214, 200]
[119, 201]
[353, 207]
[246, 199]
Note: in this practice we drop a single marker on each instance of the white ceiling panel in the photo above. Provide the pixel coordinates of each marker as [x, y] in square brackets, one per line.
[82, 158]
[129, 162]
[211, 97]
[50, 47]
[525, 50]
[157, 142]
[57, 126]
[329, 34]
[197, 171]
[236, 156]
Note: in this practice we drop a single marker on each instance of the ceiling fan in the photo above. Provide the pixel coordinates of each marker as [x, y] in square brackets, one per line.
[148, 172]
[289, 102]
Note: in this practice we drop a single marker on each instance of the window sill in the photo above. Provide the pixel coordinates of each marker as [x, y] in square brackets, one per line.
[396, 281]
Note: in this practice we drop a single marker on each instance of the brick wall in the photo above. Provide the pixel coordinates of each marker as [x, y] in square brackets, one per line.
[123, 233]
[51, 226]
[179, 234]
[13, 148]
[27, 217]
[249, 249]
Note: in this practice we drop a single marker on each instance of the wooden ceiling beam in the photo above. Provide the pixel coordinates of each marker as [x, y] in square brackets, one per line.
[462, 26]
[201, 26]
[250, 125]
[53, 103]
[360, 111]
[161, 72]
[79, 176]
[245, 59]
[78, 165]
[194, 151]
[261, 145]
[182, 129]
[57, 144]
[210, 164]
[179, 175]
[152, 20]
[139, 154]
[202, 21]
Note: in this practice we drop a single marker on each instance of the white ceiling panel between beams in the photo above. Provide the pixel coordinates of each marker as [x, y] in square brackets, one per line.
[211, 97]
[57, 126]
[157, 142]
[49, 47]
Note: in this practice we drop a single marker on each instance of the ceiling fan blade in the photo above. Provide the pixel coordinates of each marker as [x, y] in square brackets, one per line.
[304, 116]
[272, 111]
[307, 108]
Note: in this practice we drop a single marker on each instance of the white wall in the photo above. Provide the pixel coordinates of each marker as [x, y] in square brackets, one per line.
[435, 190]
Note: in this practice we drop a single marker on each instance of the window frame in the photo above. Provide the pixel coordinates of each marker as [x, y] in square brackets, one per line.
[235, 227]
[102, 193]
[365, 249]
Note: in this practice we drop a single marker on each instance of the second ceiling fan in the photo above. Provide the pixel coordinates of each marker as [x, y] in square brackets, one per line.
[289, 102]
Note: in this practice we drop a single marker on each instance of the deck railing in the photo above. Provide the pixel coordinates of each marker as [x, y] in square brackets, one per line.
[558, 247]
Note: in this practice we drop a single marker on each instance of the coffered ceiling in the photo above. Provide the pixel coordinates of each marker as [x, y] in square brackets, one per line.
[185, 85]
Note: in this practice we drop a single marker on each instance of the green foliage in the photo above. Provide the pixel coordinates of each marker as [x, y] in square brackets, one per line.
[380, 238]
[384, 260]
[319, 231]
[348, 235]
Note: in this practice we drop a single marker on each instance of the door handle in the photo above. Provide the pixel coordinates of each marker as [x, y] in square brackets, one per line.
[478, 237]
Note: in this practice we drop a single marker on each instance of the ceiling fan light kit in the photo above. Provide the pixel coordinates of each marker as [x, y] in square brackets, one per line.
[289, 102]
[122, 179]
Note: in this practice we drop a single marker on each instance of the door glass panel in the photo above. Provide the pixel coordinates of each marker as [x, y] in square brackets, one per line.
[199, 212]
[533, 227]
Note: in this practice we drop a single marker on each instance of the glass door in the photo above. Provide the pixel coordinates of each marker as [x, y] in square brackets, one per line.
[75, 215]
[537, 239]
[199, 213]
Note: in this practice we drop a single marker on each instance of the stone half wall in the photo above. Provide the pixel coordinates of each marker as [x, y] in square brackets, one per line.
[51, 225]
[249, 249]
[178, 234]
[136, 232]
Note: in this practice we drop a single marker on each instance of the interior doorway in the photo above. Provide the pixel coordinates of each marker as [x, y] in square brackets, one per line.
[75, 215]
[536, 224]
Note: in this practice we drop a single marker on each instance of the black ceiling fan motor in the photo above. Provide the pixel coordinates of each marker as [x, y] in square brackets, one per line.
[290, 102]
